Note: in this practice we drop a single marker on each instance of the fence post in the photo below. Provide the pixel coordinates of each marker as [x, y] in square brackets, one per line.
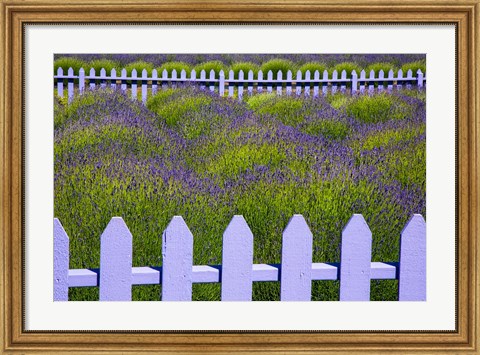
[177, 253]
[231, 85]
[144, 85]
[70, 84]
[355, 260]
[221, 83]
[260, 82]
[419, 78]
[237, 260]
[60, 82]
[60, 262]
[354, 82]
[92, 79]
[123, 86]
[296, 272]
[412, 275]
[116, 262]
[154, 81]
[279, 83]
[240, 85]
[81, 80]
[113, 79]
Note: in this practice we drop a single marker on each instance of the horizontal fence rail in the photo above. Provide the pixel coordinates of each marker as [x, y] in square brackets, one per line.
[296, 272]
[308, 84]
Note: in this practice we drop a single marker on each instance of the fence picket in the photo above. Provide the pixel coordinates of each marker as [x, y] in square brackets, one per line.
[81, 80]
[390, 80]
[144, 86]
[183, 76]
[154, 82]
[240, 85]
[343, 83]
[61, 258]
[260, 82]
[212, 80]
[298, 88]
[355, 260]
[203, 78]
[279, 83]
[231, 85]
[165, 79]
[362, 81]
[70, 84]
[334, 81]
[221, 83]
[409, 79]
[113, 79]
[134, 83]
[123, 84]
[296, 273]
[371, 84]
[399, 79]
[250, 83]
[325, 83]
[92, 79]
[173, 82]
[60, 83]
[381, 75]
[237, 260]
[103, 78]
[116, 262]
[412, 274]
[354, 82]
[269, 81]
[307, 85]
[419, 78]
[289, 83]
[316, 78]
[177, 253]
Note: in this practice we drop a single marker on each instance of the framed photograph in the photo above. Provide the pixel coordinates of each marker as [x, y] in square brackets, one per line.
[219, 177]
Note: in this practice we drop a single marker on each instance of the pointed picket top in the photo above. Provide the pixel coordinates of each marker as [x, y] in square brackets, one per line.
[237, 260]
[354, 73]
[296, 272]
[419, 72]
[400, 73]
[116, 262]
[92, 72]
[212, 74]
[183, 74]
[335, 75]
[343, 75]
[325, 75]
[279, 75]
[154, 74]
[174, 73]
[372, 74]
[134, 73]
[60, 71]
[240, 75]
[299, 75]
[413, 253]
[221, 73]
[260, 75]
[203, 74]
[61, 245]
[307, 75]
[144, 74]
[381, 74]
[165, 74]
[250, 75]
[231, 75]
[103, 72]
[124, 73]
[390, 74]
[270, 75]
[177, 252]
[193, 74]
[363, 74]
[113, 73]
[316, 75]
[355, 260]
[409, 74]
[70, 71]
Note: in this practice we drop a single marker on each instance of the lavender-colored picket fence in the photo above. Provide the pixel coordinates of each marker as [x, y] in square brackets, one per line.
[237, 272]
[309, 84]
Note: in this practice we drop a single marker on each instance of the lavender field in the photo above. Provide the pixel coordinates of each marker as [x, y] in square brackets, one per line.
[192, 153]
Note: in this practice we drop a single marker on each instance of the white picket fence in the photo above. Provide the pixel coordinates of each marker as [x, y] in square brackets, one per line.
[309, 84]
[237, 272]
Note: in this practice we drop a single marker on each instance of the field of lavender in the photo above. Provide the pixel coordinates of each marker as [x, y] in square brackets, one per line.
[192, 153]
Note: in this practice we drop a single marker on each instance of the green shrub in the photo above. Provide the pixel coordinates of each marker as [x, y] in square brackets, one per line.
[414, 66]
[215, 65]
[170, 66]
[176, 111]
[256, 101]
[155, 102]
[376, 67]
[276, 65]
[245, 67]
[289, 110]
[69, 62]
[313, 66]
[377, 108]
[139, 66]
[348, 67]
[328, 128]
[106, 64]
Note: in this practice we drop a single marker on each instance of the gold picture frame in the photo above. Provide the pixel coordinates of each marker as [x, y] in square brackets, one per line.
[464, 14]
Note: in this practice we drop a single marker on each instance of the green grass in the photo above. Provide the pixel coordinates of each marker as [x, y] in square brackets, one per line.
[414, 66]
[106, 64]
[348, 67]
[69, 62]
[215, 65]
[178, 66]
[276, 65]
[139, 66]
